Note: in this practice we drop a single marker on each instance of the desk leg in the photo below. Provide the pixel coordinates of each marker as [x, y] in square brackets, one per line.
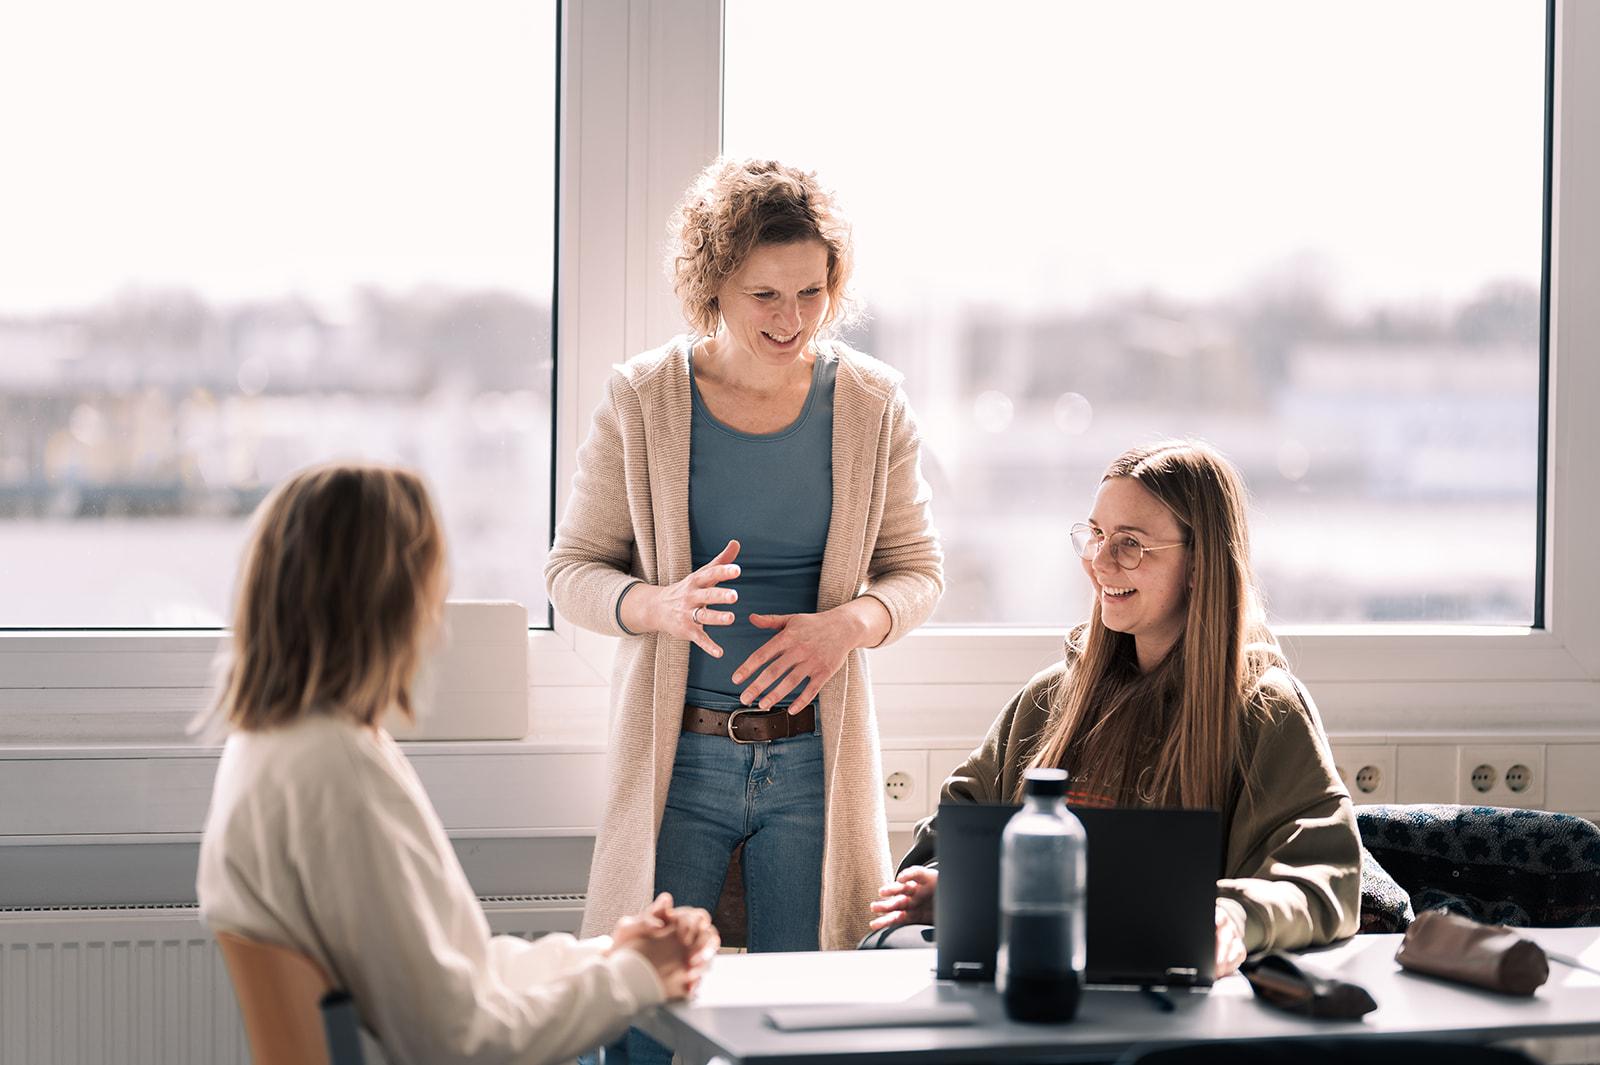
[693, 1051]
[688, 1047]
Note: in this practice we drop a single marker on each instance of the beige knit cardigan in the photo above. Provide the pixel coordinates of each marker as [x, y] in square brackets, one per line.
[628, 520]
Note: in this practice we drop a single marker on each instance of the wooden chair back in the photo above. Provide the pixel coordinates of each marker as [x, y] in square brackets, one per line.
[280, 997]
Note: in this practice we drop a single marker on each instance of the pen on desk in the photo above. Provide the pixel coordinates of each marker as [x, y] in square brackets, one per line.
[1159, 998]
[1567, 959]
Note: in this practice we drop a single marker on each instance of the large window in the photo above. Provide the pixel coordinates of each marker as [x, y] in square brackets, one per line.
[1310, 234]
[238, 239]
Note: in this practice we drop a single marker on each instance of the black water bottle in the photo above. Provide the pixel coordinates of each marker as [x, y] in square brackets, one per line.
[1042, 858]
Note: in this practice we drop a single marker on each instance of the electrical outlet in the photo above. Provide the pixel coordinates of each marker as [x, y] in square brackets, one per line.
[1368, 772]
[1501, 776]
[1519, 778]
[905, 774]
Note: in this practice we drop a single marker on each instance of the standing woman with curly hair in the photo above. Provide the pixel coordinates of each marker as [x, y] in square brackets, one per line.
[749, 515]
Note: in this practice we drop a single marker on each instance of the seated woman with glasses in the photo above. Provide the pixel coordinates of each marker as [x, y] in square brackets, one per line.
[1174, 693]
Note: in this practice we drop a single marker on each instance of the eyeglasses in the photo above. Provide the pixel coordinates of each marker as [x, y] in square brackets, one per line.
[1126, 550]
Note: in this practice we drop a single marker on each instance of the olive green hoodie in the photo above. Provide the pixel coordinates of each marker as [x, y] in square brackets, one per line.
[1291, 854]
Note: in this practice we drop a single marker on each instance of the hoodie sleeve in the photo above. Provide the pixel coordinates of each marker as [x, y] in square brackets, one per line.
[990, 773]
[1294, 855]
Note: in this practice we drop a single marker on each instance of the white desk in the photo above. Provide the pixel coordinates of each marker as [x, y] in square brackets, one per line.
[726, 1019]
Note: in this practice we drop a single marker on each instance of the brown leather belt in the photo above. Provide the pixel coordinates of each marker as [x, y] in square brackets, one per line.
[750, 726]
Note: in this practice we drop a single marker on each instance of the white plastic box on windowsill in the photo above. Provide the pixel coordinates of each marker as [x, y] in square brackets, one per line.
[474, 686]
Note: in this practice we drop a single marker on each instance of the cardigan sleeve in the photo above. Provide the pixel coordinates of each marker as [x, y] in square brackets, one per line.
[406, 935]
[906, 569]
[592, 562]
[1293, 855]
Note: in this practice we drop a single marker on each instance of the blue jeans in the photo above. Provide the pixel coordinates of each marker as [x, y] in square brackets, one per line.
[767, 796]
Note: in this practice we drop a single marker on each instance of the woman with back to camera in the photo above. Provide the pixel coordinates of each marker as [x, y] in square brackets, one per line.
[320, 837]
[1174, 693]
[748, 515]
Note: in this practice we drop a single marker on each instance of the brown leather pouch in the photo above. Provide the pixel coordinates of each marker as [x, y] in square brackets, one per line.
[1484, 955]
[1280, 981]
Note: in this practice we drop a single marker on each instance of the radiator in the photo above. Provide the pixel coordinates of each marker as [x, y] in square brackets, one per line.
[145, 985]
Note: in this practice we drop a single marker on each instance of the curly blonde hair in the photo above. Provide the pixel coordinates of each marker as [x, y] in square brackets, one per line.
[735, 205]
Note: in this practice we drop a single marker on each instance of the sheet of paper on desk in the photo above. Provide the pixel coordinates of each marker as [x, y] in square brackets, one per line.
[828, 1018]
[880, 977]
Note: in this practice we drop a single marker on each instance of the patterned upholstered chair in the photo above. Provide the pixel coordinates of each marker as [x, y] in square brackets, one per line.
[1385, 905]
[1528, 868]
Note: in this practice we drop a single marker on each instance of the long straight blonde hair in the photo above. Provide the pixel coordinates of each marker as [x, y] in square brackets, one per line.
[1173, 736]
[343, 578]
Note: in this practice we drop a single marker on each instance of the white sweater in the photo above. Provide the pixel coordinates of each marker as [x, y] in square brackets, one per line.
[321, 838]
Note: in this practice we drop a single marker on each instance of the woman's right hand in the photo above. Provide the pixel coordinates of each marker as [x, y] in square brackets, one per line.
[907, 899]
[671, 610]
[679, 943]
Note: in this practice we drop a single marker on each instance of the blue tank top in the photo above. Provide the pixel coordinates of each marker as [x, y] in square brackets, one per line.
[773, 492]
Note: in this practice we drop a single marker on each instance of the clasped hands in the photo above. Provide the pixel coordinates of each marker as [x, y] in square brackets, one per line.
[805, 648]
[678, 942]
[908, 899]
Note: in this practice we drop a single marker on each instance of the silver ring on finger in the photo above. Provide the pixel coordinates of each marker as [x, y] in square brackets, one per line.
[694, 615]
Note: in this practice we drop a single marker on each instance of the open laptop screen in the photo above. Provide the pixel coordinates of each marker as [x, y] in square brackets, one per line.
[1150, 900]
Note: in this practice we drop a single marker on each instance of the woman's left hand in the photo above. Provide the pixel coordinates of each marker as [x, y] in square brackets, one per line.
[809, 649]
[1230, 945]
[650, 921]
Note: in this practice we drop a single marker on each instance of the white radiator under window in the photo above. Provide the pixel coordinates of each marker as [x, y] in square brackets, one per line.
[145, 985]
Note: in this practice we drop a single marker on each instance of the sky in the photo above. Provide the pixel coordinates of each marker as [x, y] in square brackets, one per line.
[1023, 151]
[251, 149]
[1034, 152]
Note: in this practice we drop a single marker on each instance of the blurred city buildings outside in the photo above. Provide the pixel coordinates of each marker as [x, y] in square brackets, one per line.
[1392, 458]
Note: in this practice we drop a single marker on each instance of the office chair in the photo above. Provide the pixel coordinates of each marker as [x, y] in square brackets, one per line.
[899, 937]
[292, 1014]
[1526, 868]
[1385, 905]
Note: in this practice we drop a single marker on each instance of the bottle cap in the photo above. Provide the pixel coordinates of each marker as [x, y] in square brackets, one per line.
[1049, 783]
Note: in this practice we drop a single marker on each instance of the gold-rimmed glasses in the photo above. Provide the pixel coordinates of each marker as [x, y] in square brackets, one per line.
[1127, 550]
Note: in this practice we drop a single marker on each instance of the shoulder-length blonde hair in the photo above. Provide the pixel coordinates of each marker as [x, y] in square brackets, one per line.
[343, 578]
[1173, 736]
[735, 205]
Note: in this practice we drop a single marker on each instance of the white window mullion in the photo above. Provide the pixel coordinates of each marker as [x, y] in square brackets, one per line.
[1572, 571]
[640, 116]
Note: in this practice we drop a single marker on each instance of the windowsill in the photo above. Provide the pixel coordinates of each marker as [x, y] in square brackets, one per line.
[412, 748]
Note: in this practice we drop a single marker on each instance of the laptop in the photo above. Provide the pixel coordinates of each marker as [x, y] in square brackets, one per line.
[1151, 893]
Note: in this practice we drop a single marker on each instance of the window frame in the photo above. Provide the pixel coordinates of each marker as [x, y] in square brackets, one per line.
[640, 109]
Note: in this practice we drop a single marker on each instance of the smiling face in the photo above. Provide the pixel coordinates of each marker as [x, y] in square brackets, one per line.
[1150, 603]
[773, 304]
